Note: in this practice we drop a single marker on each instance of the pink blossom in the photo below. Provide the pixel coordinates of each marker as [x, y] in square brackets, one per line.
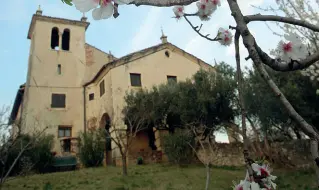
[105, 10]
[178, 11]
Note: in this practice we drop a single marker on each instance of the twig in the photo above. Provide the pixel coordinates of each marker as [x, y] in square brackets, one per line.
[303, 23]
[198, 31]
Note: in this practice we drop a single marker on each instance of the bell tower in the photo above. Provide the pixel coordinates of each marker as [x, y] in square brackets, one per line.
[56, 69]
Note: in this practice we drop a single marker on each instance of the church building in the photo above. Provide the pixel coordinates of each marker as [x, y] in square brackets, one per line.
[71, 84]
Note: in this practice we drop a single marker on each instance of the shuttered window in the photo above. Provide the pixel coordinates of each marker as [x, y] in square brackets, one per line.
[58, 101]
[135, 79]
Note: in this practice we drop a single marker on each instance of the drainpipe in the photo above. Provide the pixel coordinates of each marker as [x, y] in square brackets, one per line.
[84, 109]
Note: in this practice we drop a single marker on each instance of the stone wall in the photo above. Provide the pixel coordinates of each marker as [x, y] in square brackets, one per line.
[291, 154]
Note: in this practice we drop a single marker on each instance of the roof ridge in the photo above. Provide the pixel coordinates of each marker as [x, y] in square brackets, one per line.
[199, 61]
[99, 49]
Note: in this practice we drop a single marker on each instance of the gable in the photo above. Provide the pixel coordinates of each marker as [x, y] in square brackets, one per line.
[144, 53]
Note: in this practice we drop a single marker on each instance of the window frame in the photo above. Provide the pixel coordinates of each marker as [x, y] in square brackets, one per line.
[66, 36]
[55, 31]
[64, 128]
[59, 69]
[58, 107]
[140, 79]
[102, 90]
[91, 96]
[170, 77]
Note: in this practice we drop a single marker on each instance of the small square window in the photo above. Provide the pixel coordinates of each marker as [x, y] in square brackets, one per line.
[102, 88]
[65, 131]
[172, 79]
[58, 101]
[91, 96]
[135, 79]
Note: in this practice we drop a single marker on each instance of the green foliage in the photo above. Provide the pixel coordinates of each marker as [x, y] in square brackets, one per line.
[178, 148]
[207, 99]
[68, 2]
[298, 89]
[37, 157]
[91, 147]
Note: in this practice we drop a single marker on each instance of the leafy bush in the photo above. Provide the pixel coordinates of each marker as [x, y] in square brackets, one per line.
[178, 148]
[91, 147]
[37, 157]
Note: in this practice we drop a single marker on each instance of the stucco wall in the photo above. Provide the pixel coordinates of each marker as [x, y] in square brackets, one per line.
[95, 59]
[43, 80]
[153, 69]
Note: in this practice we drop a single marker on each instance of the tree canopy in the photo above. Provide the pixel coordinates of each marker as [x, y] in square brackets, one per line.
[207, 99]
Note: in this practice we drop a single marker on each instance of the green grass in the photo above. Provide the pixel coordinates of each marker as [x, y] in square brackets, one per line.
[152, 177]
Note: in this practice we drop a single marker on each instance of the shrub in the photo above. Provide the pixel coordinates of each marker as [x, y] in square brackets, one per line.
[91, 147]
[37, 157]
[178, 148]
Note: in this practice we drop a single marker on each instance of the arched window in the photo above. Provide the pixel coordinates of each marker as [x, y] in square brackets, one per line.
[66, 40]
[55, 38]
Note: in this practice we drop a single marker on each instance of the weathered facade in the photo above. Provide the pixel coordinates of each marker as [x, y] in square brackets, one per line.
[72, 85]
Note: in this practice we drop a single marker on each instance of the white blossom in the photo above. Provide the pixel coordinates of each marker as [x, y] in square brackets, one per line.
[225, 37]
[243, 185]
[205, 9]
[178, 11]
[291, 49]
[105, 9]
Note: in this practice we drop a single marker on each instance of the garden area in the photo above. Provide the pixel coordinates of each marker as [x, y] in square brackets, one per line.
[159, 177]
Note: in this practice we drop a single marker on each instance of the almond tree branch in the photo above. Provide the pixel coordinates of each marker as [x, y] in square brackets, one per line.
[162, 3]
[288, 20]
[242, 106]
[197, 30]
[250, 44]
[284, 66]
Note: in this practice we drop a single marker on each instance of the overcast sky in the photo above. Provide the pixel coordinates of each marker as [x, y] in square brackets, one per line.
[136, 28]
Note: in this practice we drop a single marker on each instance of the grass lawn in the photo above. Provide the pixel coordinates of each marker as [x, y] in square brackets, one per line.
[152, 177]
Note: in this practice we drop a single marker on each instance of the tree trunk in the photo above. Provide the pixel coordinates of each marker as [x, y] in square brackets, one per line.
[248, 161]
[124, 165]
[257, 138]
[207, 176]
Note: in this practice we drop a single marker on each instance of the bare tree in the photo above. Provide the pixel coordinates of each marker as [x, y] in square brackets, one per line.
[123, 136]
[206, 150]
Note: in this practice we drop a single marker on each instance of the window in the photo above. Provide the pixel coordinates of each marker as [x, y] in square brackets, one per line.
[58, 101]
[135, 79]
[66, 40]
[55, 38]
[102, 88]
[91, 96]
[65, 131]
[59, 69]
[167, 53]
[172, 79]
[66, 145]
